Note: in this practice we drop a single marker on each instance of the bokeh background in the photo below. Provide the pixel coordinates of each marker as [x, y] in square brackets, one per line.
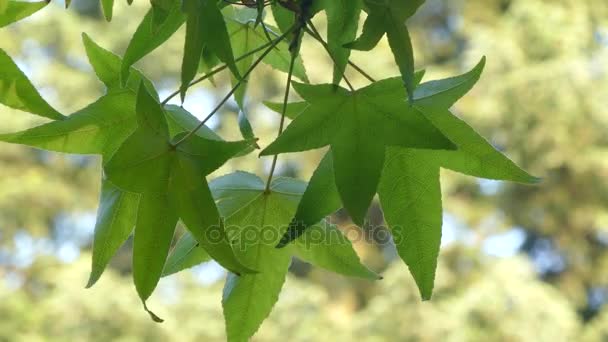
[518, 263]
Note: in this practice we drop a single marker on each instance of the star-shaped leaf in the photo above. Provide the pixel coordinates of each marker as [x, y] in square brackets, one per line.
[171, 182]
[389, 16]
[409, 189]
[255, 220]
[358, 126]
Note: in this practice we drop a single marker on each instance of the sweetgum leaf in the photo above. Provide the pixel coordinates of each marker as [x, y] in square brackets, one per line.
[389, 17]
[13, 11]
[255, 220]
[147, 38]
[358, 126]
[16, 91]
[115, 221]
[148, 164]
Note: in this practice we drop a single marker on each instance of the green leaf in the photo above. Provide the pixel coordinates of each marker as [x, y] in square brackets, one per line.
[186, 254]
[147, 163]
[16, 91]
[146, 38]
[255, 220]
[410, 196]
[358, 126]
[107, 7]
[99, 128]
[13, 11]
[389, 17]
[320, 199]
[115, 221]
[342, 24]
[107, 67]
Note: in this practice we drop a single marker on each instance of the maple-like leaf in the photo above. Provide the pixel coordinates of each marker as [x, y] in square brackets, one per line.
[389, 16]
[255, 220]
[358, 126]
[171, 182]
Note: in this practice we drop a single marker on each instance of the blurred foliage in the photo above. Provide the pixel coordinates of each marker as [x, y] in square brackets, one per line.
[542, 100]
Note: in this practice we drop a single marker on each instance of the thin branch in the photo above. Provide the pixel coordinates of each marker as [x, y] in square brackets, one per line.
[316, 35]
[361, 71]
[218, 69]
[273, 44]
[294, 55]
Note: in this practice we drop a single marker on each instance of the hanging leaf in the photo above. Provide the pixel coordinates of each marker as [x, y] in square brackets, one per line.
[358, 126]
[12, 11]
[255, 220]
[389, 17]
[148, 164]
[16, 91]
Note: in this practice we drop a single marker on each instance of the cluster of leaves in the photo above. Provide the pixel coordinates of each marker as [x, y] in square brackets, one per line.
[390, 138]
